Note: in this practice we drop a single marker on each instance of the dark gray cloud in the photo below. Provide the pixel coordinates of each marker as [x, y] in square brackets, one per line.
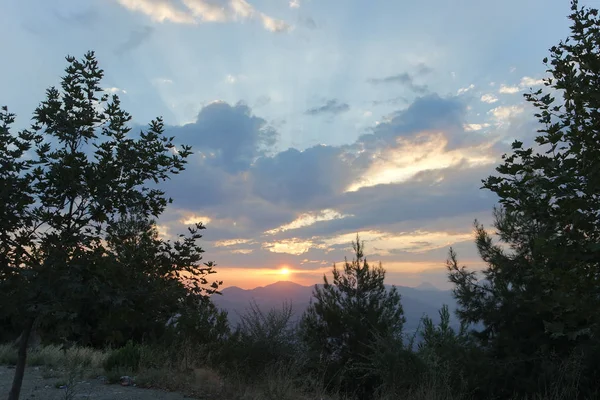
[229, 137]
[393, 101]
[303, 179]
[406, 206]
[429, 112]
[330, 107]
[136, 38]
[405, 79]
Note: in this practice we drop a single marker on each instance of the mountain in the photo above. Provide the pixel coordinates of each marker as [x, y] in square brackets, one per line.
[426, 286]
[416, 302]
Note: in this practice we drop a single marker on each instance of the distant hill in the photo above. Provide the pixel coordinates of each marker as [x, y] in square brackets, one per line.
[423, 300]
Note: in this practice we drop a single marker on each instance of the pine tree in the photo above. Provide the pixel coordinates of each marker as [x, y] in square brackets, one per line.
[347, 315]
[541, 290]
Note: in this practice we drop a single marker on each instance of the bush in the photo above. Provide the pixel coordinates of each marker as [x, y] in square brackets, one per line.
[126, 358]
[261, 341]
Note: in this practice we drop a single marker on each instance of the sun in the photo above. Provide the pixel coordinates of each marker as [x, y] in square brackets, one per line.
[284, 271]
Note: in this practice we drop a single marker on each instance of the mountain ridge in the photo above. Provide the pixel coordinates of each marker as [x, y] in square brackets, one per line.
[416, 302]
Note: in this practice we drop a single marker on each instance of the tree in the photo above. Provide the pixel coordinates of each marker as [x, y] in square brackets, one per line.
[347, 316]
[68, 183]
[541, 290]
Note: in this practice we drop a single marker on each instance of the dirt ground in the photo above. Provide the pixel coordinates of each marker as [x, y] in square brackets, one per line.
[38, 388]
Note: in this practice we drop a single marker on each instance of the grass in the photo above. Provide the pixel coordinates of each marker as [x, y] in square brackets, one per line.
[66, 367]
[57, 363]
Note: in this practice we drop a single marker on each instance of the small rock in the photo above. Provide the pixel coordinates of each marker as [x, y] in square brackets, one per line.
[126, 381]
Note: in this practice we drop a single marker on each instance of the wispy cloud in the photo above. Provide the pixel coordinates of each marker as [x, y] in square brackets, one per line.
[308, 219]
[411, 156]
[196, 11]
[404, 79]
[330, 107]
[136, 38]
[291, 246]
[466, 89]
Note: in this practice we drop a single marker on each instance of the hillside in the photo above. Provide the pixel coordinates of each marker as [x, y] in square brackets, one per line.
[419, 301]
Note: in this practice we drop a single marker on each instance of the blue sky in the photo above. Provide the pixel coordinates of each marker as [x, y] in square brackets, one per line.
[311, 120]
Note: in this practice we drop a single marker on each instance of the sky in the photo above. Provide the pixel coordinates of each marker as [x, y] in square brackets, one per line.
[310, 120]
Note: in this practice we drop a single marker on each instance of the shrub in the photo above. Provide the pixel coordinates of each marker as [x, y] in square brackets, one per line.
[126, 358]
[261, 340]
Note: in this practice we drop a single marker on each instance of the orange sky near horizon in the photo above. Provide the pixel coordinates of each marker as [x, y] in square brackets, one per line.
[249, 278]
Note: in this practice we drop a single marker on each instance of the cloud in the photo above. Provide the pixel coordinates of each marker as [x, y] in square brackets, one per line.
[308, 219]
[526, 81]
[294, 4]
[197, 11]
[509, 89]
[266, 209]
[231, 79]
[390, 243]
[423, 69]
[427, 113]
[162, 81]
[393, 101]
[504, 114]
[159, 10]
[466, 89]
[489, 98]
[404, 79]
[475, 127]
[227, 137]
[291, 246]
[114, 90]
[232, 242]
[411, 156]
[192, 219]
[330, 107]
[136, 38]
[84, 18]
[305, 180]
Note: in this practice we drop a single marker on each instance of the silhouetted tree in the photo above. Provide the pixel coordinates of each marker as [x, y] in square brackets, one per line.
[345, 318]
[65, 184]
[541, 290]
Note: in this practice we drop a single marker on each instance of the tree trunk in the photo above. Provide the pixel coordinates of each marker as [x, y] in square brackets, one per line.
[15, 390]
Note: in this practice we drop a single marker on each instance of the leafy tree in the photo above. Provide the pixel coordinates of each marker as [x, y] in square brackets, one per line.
[68, 184]
[541, 290]
[341, 325]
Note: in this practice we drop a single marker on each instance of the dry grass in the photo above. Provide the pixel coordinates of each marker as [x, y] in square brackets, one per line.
[86, 360]
[193, 382]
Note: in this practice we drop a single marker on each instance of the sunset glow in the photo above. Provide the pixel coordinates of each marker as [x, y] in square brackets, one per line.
[305, 132]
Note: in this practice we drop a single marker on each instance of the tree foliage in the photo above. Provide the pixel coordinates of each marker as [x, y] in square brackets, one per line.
[79, 253]
[347, 315]
[541, 290]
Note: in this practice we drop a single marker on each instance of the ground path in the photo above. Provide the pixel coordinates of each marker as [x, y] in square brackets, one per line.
[35, 387]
